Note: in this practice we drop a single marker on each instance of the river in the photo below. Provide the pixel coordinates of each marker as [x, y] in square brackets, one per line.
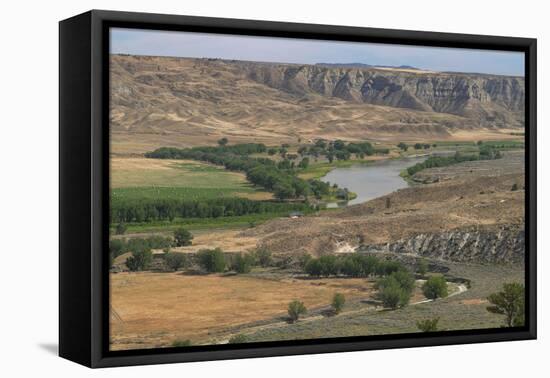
[372, 180]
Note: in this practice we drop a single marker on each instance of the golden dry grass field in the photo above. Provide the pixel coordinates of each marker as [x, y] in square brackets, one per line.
[154, 309]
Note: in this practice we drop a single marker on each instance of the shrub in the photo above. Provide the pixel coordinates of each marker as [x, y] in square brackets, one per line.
[242, 263]
[509, 302]
[435, 287]
[120, 229]
[182, 237]
[403, 146]
[140, 260]
[238, 339]
[174, 260]
[181, 343]
[155, 242]
[338, 302]
[303, 260]
[304, 163]
[514, 187]
[285, 262]
[223, 141]
[427, 325]
[117, 247]
[422, 267]
[212, 260]
[263, 256]
[295, 310]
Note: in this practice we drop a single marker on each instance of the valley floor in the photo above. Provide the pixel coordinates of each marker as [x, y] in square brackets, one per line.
[152, 310]
[482, 200]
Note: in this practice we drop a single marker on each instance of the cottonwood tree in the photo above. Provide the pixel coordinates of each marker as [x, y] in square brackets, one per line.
[435, 287]
[182, 237]
[140, 260]
[509, 302]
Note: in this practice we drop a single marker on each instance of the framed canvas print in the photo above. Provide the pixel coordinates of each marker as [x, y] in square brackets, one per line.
[233, 188]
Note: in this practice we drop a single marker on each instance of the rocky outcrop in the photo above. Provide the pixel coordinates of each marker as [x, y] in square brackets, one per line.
[482, 245]
[489, 99]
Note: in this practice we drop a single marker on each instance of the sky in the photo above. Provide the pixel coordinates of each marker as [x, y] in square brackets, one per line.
[302, 51]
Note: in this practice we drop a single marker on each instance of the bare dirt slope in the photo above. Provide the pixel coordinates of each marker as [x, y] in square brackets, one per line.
[161, 101]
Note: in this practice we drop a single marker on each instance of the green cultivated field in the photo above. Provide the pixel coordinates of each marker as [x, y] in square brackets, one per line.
[179, 193]
[137, 178]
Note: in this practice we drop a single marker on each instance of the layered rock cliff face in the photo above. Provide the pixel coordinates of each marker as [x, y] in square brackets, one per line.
[482, 245]
[159, 101]
[489, 99]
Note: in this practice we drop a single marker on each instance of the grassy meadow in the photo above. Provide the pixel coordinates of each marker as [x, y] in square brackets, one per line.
[136, 178]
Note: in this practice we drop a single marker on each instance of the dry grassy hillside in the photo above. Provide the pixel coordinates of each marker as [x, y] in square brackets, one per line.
[161, 101]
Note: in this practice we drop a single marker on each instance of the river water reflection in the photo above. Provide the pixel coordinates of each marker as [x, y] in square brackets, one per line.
[369, 181]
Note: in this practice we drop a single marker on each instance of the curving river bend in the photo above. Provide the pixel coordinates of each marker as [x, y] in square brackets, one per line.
[370, 181]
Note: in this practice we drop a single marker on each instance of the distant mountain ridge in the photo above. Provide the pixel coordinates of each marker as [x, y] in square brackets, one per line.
[185, 101]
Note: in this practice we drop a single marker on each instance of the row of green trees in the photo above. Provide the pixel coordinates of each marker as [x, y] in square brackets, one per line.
[222, 148]
[356, 265]
[141, 249]
[215, 261]
[395, 284]
[278, 178]
[486, 153]
[147, 210]
[340, 150]
[119, 246]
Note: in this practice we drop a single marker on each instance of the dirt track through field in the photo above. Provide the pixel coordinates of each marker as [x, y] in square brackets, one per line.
[460, 288]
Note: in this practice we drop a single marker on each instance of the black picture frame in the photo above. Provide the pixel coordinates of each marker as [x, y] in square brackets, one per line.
[84, 189]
